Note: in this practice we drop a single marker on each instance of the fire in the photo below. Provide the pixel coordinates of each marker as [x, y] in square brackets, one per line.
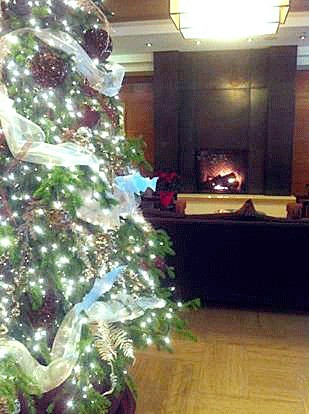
[223, 179]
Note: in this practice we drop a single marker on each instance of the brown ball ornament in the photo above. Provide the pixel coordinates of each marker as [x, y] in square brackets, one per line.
[48, 69]
[98, 44]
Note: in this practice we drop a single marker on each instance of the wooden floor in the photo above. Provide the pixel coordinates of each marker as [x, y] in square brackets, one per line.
[243, 363]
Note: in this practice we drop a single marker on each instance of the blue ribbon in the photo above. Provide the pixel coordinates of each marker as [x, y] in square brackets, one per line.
[135, 183]
[100, 286]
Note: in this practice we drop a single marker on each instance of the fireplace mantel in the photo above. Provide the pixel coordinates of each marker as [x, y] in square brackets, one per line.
[274, 206]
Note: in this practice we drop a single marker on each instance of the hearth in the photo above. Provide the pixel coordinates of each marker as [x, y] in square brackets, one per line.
[221, 171]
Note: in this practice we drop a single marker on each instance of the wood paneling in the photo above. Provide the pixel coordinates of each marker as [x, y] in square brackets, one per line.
[138, 98]
[243, 363]
[301, 136]
[128, 10]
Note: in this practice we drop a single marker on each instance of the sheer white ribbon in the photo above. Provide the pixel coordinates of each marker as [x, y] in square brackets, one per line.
[26, 141]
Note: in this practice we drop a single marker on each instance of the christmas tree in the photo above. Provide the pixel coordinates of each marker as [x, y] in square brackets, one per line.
[80, 267]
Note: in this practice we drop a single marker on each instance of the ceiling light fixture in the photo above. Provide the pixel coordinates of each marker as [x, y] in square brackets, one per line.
[148, 44]
[226, 19]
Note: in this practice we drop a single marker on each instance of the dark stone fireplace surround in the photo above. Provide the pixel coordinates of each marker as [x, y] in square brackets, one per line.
[227, 100]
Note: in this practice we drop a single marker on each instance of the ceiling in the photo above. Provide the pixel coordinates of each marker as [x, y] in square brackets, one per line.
[143, 27]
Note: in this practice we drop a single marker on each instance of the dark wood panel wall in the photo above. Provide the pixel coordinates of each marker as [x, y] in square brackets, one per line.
[227, 100]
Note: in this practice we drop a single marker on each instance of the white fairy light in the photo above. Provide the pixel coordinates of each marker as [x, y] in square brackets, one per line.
[38, 229]
[57, 205]
[148, 340]
[12, 39]
[167, 340]
[5, 242]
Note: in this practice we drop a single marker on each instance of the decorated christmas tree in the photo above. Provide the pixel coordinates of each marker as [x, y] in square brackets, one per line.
[80, 268]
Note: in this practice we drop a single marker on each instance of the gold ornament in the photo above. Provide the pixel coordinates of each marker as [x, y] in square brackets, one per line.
[109, 339]
[104, 249]
[82, 137]
[4, 407]
[59, 219]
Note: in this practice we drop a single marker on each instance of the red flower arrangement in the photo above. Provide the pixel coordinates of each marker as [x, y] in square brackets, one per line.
[168, 186]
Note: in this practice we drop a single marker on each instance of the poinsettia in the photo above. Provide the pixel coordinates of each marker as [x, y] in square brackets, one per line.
[168, 181]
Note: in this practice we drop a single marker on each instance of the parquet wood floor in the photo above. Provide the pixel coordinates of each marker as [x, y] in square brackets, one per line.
[243, 363]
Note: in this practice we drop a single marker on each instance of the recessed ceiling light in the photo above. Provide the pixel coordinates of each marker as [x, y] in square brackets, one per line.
[250, 39]
[148, 44]
[197, 42]
[302, 36]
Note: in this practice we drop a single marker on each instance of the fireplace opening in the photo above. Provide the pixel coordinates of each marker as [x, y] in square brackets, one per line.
[221, 171]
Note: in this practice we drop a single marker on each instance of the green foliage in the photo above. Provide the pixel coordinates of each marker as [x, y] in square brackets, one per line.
[56, 186]
[40, 11]
[134, 153]
[13, 381]
[50, 408]
[95, 403]
[36, 298]
[8, 240]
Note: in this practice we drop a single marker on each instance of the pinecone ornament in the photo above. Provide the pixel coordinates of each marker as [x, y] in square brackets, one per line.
[48, 69]
[82, 137]
[4, 407]
[98, 44]
[59, 219]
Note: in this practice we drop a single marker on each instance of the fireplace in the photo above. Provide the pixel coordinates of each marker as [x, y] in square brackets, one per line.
[222, 171]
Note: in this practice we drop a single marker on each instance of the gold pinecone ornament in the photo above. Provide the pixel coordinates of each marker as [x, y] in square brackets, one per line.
[4, 407]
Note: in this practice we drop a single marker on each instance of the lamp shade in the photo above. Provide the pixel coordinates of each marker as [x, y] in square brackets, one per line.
[228, 19]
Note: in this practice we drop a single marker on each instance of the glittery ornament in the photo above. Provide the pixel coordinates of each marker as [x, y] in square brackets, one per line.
[90, 117]
[109, 340]
[104, 249]
[111, 111]
[98, 44]
[48, 69]
[82, 137]
[59, 219]
[4, 407]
